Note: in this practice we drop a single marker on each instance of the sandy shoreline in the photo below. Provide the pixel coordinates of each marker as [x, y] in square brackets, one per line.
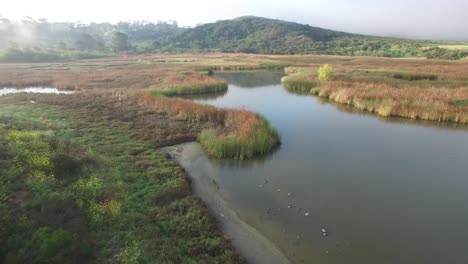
[255, 247]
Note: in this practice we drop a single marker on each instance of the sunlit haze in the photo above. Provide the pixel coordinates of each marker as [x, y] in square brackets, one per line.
[431, 19]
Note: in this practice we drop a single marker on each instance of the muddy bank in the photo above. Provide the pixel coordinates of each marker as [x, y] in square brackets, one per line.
[247, 240]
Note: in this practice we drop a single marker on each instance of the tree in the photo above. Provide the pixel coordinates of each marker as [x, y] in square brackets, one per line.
[86, 42]
[119, 41]
[325, 73]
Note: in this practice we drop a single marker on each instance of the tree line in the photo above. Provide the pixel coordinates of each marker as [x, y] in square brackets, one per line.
[40, 40]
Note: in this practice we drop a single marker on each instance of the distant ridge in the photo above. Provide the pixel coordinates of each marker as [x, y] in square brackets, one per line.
[251, 34]
[248, 34]
[256, 35]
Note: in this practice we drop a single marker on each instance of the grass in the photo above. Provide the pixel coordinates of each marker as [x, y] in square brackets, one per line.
[194, 89]
[250, 136]
[231, 133]
[462, 103]
[454, 47]
[394, 92]
[124, 202]
[298, 84]
[433, 104]
[299, 80]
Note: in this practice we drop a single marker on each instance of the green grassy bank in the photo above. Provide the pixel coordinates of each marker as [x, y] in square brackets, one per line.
[76, 189]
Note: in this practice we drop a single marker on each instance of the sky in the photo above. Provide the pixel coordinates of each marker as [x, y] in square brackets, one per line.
[426, 19]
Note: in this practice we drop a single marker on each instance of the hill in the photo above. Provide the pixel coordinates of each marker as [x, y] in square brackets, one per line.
[65, 41]
[255, 35]
[271, 36]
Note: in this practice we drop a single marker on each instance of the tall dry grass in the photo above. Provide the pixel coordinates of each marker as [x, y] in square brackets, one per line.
[234, 133]
[435, 104]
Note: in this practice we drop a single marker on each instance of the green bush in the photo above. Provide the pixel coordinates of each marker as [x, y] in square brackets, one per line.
[325, 73]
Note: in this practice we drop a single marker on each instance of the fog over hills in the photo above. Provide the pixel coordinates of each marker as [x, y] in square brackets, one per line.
[428, 19]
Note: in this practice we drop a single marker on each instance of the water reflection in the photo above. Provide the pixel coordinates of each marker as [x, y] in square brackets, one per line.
[41, 90]
[204, 96]
[251, 79]
[386, 190]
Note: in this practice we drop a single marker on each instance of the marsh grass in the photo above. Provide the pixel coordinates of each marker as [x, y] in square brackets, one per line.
[244, 137]
[463, 103]
[434, 104]
[401, 78]
[129, 203]
[194, 89]
[298, 84]
[299, 79]
[394, 92]
[232, 133]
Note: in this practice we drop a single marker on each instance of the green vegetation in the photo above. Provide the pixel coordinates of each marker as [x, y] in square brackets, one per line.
[454, 46]
[462, 103]
[325, 73]
[269, 36]
[194, 89]
[29, 55]
[244, 34]
[401, 78]
[298, 84]
[81, 189]
[299, 80]
[260, 140]
[235, 134]
[394, 92]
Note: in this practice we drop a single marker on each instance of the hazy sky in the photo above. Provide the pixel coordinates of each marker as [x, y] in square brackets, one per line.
[435, 19]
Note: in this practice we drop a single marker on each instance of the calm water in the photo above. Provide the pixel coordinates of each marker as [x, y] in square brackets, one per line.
[385, 190]
[43, 90]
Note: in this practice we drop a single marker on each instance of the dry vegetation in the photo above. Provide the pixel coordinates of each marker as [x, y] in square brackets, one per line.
[125, 89]
[416, 89]
[436, 104]
[114, 114]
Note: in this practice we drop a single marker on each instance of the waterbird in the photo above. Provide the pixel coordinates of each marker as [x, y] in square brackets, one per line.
[324, 232]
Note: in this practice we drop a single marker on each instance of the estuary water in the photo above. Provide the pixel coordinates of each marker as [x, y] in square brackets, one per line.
[345, 186]
[42, 90]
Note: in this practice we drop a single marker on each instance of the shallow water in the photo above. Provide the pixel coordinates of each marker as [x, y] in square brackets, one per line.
[384, 190]
[42, 90]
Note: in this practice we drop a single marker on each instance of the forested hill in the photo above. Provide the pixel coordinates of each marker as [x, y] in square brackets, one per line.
[40, 40]
[271, 36]
[255, 35]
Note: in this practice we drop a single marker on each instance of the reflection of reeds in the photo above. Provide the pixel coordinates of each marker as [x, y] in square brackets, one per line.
[299, 79]
[298, 84]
